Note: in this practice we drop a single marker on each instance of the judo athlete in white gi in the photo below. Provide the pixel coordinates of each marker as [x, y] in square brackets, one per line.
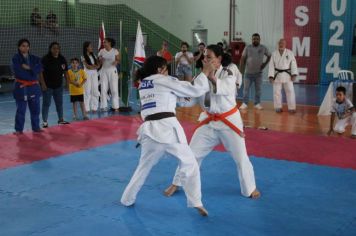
[161, 132]
[221, 123]
[283, 71]
[345, 112]
[109, 78]
[91, 86]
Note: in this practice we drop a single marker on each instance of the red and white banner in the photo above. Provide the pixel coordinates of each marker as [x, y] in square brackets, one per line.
[101, 36]
[302, 32]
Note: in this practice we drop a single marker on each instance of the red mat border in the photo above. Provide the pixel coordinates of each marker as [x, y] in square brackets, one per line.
[78, 136]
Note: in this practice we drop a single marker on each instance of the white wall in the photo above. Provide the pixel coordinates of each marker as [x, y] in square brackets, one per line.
[180, 17]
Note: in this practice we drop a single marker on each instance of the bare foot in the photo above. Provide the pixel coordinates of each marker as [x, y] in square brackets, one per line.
[202, 211]
[255, 194]
[170, 190]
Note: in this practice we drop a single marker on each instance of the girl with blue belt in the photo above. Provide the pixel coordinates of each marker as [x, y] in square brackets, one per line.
[27, 91]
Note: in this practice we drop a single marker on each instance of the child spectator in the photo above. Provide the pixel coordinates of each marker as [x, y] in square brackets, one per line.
[77, 78]
[345, 112]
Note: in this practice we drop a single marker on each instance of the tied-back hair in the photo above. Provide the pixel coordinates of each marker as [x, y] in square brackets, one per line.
[218, 51]
[19, 43]
[85, 54]
[111, 41]
[150, 67]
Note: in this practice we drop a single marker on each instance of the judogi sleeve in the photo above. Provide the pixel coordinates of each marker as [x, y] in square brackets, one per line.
[271, 69]
[37, 65]
[294, 67]
[185, 88]
[21, 73]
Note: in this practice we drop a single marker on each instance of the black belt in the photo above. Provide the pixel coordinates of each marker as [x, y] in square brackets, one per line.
[159, 116]
[288, 71]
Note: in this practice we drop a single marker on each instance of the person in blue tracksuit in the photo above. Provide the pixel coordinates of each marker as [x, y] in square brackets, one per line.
[27, 90]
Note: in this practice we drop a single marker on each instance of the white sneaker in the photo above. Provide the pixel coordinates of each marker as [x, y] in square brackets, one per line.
[258, 106]
[243, 106]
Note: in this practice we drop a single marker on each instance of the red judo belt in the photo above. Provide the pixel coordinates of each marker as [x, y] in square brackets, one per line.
[26, 83]
[222, 117]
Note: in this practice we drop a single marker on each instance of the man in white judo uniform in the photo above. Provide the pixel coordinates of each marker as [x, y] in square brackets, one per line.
[282, 72]
[221, 123]
[161, 132]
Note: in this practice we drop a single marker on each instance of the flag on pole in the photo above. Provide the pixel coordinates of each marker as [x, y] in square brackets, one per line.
[101, 36]
[124, 76]
[139, 56]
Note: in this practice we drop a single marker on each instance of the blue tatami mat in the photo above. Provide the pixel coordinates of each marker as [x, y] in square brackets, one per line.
[78, 194]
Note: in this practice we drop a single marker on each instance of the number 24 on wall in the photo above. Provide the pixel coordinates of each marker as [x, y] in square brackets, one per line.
[338, 8]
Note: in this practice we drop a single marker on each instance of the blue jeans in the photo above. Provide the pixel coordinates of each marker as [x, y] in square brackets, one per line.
[248, 80]
[34, 106]
[57, 95]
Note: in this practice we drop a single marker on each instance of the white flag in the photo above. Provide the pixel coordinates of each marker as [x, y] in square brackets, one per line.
[140, 55]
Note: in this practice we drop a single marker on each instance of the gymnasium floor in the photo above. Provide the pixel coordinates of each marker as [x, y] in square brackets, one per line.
[68, 180]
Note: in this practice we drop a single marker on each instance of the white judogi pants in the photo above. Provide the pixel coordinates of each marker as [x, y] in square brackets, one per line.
[343, 123]
[206, 138]
[109, 79]
[151, 153]
[91, 91]
[290, 95]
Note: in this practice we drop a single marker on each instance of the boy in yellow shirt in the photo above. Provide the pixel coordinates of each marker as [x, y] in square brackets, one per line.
[77, 78]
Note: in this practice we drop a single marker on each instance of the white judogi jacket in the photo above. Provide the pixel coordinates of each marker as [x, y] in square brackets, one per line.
[159, 93]
[282, 62]
[222, 99]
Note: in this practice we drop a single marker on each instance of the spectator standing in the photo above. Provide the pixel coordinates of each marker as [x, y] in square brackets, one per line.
[164, 52]
[27, 91]
[109, 57]
[199, 56]
[253, 58]
[184, 60]
[91, 87]
[54, 69]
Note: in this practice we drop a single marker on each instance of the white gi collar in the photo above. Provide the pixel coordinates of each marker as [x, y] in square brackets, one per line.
[219, 72]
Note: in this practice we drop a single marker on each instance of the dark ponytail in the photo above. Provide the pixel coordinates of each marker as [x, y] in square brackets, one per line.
[111, 41]
[226, 60]
[150, 67]
[85, 54]
[219, 52]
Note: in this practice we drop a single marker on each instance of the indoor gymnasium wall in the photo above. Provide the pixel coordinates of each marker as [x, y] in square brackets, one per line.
[180, 17]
